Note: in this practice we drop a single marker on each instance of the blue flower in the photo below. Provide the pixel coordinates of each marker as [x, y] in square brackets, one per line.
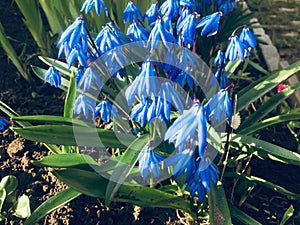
[187, 126]
[209, 175]
[210, 24]
[183, 78]
[53, 76]
[183, 159]
[189, 3]
[137, 33]
[88, 5]
[145, 84]
[236, 48]
[186, 29]
[140, 111]
[149, 160]
[84, 104]
[228, 6]
[107, 39]
[88, 78]
[77, 53]
[74, 35]
[248, 38]
[78, 75]
[131, 12]
[221, 77]
[170, 96]
[152, 13]
[220, 59]
[219, 106]
[3, 124]
[160, 34]
[106, 109]
[169, 9]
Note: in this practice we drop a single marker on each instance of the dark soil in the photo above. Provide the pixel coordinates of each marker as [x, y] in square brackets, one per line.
[39, 184]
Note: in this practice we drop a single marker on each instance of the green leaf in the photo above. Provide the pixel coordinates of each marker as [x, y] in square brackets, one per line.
[2, 197]
[11, 53]
[265, 86]
[92, 184]
[269, 106]
[70, 160]
[258, 67]
[33, 21]
[287, 215]
[50, 119]
[75, 135]
[9, 183]
[218, 207]
[70, 98]
[240, 217]
[273, 151]
[270, 121]
[124, 166]
[22, 208]
[51, 204]
[264, 183]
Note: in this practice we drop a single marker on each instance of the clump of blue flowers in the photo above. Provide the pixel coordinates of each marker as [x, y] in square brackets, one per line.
[160, 92]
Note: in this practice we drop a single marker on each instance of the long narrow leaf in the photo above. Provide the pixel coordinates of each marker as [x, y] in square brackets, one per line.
[51, 204]
[270, 121]
[218, 207]
[265, 184]
[273, 151]
[123, 168]
[242, 218]
[75, 135]
[269, 106]
[265, 86]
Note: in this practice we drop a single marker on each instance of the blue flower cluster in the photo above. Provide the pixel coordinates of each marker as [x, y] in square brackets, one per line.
[154, 93]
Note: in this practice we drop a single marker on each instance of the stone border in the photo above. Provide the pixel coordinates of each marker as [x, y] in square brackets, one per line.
[271, 55]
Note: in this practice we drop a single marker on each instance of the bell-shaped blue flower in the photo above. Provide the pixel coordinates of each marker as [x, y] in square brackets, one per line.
[188, 3]
[137, 33]
[228, 6]
[248, 38]
[145, 84]
[53, 76]
[149, 160]
[85, 105]
[78, 75]
[106, 110]
[77, 53]
[210, 24]
[75, 34]
[220, 59]
[183, 78]
[152, 13]
[3, 124]
[169, 9]
[139, 112]
[219, 106]
[182, 159]
[186, 127]
[160, 34]
[236, 48]
[132, 12]
[107, 40]
[89, 4]
[186, 29]
[89, 78]
[221, 77]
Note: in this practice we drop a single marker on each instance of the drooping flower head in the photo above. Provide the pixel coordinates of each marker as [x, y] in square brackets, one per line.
[85, 105]
[169, 9]
[89, 78]
[137, 33]
[236, 48]
[53, 76]
[139, 112]
[152, 13]
[74, 35]
[149, 160]
[132, 12]
[210, 24]
[186, 28]
[106, 110]
[89, 4]
[248, 38]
